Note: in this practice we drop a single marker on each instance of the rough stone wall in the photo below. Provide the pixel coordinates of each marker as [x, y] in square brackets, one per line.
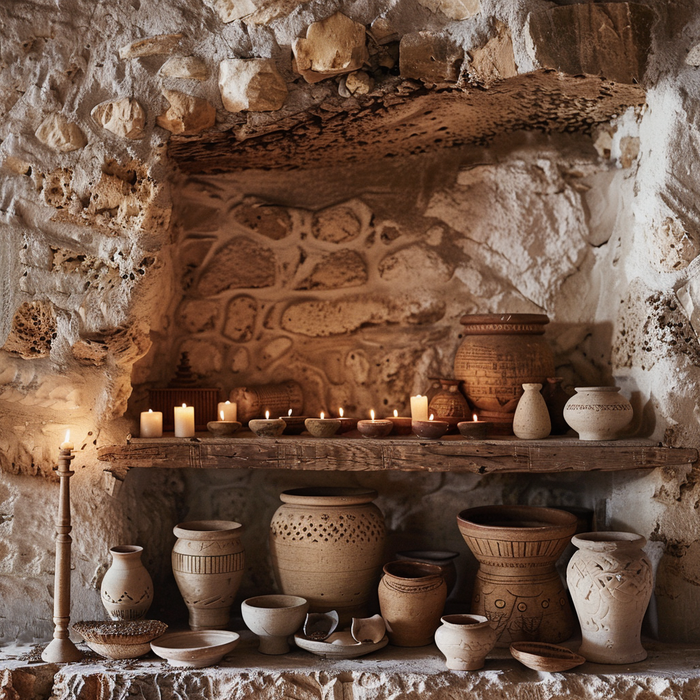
[350, 280]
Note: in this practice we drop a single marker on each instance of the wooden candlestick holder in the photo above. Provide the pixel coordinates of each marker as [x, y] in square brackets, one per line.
[61, 649]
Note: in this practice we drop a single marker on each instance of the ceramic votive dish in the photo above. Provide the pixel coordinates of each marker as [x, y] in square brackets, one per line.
[267, 427]
[222, 428]
[474, 429]
[294, 425]
[430, 429]
[374, 428]
[322, 427]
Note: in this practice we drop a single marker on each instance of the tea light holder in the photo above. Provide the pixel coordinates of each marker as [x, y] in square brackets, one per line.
[223, 427]
[401, 424]
[374, 428]
[322, 427]
[294, 425]
[430, 429]
[474, 429]
[346, 424]
[267, 427]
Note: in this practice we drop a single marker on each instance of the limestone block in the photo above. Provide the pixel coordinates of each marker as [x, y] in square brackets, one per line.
[414, 263]
[17, 165]
[267, 220]
[383, 31]
[334, 46]
[124, 117]
[357, 83]
[196, 316]
[253, 11]
[58, 133]
[185, 68]
[495, 60]
[429, 57]
[671, 246]
[108, 194]
[454, 9]
[345, 268]
[33, 330]
[187, 114]
[251, 84]
[612, 40]
[206, 356]
[57, 188]
[162, 44]
[240, 264]
[90, 352]
[241, 315]
[342, 223]
[274, 350]
[693, 57]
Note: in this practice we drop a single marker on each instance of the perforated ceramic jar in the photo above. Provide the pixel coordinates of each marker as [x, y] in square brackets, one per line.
[327, 546]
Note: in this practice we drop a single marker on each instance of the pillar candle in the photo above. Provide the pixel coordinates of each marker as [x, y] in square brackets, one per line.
[230, 410]
[184, 421]
[419, 407]
[151, 424]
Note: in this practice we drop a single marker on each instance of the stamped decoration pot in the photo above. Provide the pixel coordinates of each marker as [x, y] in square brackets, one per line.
[465, 640]
[500, 353]
[517, 586]
[127, 588]
[598, 412]
[610, 581]
[327, 546]
[208, 561]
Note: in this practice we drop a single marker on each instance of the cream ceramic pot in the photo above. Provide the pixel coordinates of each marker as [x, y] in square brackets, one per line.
[127, 588]
[465, 640]
[598, 412]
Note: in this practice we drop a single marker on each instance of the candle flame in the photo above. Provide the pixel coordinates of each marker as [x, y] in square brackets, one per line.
[371, 413]
[267, 415]
[67, 436]
[418, 396]
[432, 415]
[228, 403]
[322, 415]
[289, 412]
[340, 411]
[150, 410]
[184, 405]
[396, 413]
[476, 418]
[221, 413]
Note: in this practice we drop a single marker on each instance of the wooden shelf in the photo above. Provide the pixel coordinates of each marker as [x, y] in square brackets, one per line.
[355, 453]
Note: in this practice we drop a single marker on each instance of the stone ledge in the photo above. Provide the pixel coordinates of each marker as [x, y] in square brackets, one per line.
[670, 671]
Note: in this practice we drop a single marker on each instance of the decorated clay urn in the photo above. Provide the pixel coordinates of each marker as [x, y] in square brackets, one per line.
[500, 353]
[127, 589]
[610, 581]
[208, 561]
[465, 640]
[327, 546]
[598, 412]
[517, 586]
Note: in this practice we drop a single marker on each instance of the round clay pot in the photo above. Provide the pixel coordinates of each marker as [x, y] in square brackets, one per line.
[465, 640]
[274, 618]
[327, 546]
[610, 581]
[498, 355]
[442, 558]
[127, 588]
[531, 420]
[208, 561]
[411, 600]
[448, 404]
[517, 586]
[598, 412]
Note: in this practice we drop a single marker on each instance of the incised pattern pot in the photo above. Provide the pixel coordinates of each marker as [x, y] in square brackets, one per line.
[465, 640]
[598, 412]
[127, 588]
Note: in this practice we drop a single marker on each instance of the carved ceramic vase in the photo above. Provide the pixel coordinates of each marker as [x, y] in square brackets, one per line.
[208, 562]
[127, 588]
[610, 581]
[327, 546]
[465, 640]
[498, 355]
[411, 600]
[517, 586]
[531, 420]
[448, 403]
[598, 412]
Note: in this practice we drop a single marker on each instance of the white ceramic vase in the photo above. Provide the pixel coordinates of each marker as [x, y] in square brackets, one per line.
[531, 420]
[598, 412]
[127, 588]
[610, 581]
[465, 640]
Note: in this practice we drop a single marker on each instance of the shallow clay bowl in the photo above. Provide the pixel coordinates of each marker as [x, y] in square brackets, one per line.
[120, 639]
[195, 649]
[222, 428]
[545, 657]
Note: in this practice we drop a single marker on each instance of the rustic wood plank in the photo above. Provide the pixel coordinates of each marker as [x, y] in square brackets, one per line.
[353, 453]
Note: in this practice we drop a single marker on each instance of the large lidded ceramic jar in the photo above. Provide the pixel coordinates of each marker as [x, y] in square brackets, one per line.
[327, 546]
[517, 586]
[610, 581]
[208, 562]
[598, 412]
[127, 588]
[500, 353]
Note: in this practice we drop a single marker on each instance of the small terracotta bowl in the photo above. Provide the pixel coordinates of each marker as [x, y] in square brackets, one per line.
[374, 428]
[322, 427]
[540, 656]
[294, 425]
[221, 428]
[430, 429]
[474, 430]
[267, 427]
[347, 424]
[402, 424]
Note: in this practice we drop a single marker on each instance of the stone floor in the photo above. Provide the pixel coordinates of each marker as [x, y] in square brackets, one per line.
[670, 672]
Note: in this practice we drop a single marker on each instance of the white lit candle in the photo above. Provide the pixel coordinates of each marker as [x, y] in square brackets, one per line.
[322, 415]
[340, 412]
[419, 407]
[230, 410]
[151, 424]
[184, 421]
[67, 444]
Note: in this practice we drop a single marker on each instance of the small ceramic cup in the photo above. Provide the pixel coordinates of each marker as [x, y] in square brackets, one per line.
[274, 618]
[374, 428]
[322, 427]
[222, 428]
[430, 429]
[267, 427]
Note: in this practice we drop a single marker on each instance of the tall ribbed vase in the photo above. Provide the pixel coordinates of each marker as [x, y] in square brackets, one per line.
[208, 562]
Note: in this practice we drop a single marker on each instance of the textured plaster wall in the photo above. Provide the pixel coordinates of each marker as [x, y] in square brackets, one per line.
[351, 281]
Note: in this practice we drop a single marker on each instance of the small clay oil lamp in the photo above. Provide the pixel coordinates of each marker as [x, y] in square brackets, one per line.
[346, 424]
[322, 427]
[222, 428]
[402, 424]
[474, 429]
[374, 428]
[267, 427]
[294, 424]
[430, 429]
